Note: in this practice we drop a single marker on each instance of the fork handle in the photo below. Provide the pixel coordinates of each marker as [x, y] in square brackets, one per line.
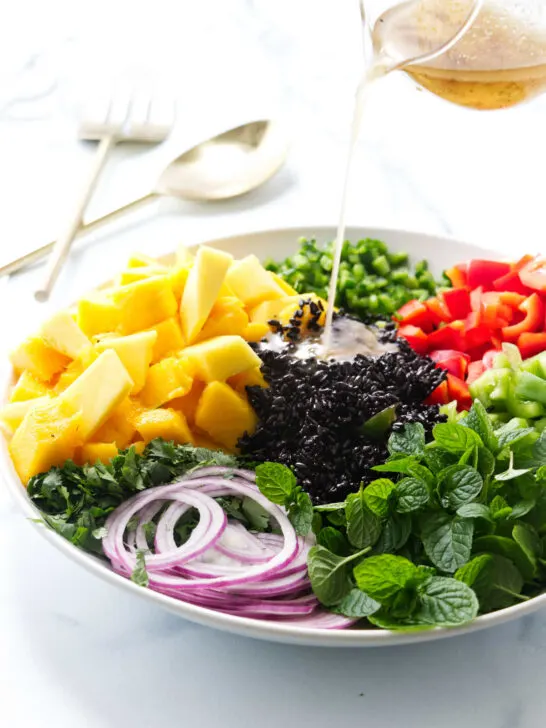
[61, 247]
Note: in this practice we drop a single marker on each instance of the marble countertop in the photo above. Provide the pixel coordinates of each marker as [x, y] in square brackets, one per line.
[75, 651]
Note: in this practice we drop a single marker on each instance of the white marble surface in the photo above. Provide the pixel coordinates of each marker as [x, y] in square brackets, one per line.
[74, 651]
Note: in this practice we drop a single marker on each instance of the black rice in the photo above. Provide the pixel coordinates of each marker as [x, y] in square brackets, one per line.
[310, 417]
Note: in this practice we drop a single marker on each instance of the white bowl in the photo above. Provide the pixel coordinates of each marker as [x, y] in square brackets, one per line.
[441, 253]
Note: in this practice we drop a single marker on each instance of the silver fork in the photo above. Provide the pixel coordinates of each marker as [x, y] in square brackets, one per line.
[125, 117]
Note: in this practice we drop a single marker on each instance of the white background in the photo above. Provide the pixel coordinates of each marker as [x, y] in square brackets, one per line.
[74, 651]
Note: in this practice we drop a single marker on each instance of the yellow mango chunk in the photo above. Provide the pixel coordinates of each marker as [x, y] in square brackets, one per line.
[188, 403]
[135, 352]
[224, 415]
[251, 378]
[286, 287]
[13, 414]
[169, 339]
[204, 441]
[120, 427]
[131, 275]
[139, 446]
[269, 310]
[139, 260]
[144, 303]
[40, 359]
[63, 334]
[76, 367]
[93, 452]
[166, 380]
[251, 282]
[28, 387]
[227, 317]
[178, 278]
[166, 423]
[255, 332]
[98, 391]
[97, 315]
[287, 313]
[220, 358]
[48, 435]
[202, 288]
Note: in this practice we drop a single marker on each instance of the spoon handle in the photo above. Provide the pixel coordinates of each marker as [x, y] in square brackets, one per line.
[35, 255]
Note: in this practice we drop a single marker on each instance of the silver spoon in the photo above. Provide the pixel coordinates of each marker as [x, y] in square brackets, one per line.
[228, 165]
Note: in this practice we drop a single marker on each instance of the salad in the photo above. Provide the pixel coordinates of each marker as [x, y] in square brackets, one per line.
[185, 426]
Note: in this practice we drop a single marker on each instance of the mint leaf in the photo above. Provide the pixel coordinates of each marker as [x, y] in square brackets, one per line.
[410, 440]
[412, 494]
[139, 574]
[258, 518]
[396, 531]
[357, 605]
[329, 574]
[529, 542]
[385, 620]
[381, 577]
[438, 460]
[522, 508]
[300, 513]
[508, 548]
[495, 580]
[447, 540]
[459, 484]
[509, 435]
[474, 510]
[445, 602]
[334, 541]
[401, 465]
[486, 462]
[455, 438]
[276, 482]
[476, 572]
[378, 496]
[499, 508]
[363, 526]
[330, 507]
[479, 421]
[539, 448]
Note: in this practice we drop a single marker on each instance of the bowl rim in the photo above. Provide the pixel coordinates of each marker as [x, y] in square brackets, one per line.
[262, 629]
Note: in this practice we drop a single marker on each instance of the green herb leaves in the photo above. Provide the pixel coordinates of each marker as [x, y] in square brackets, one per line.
[278, 484]
[330, 574]
[363, 526]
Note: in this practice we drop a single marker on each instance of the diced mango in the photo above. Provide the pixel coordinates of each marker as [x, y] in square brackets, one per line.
[202, 288]
[97, 315]
[98, 391]
[39, 358]
[28, 387]
[139, 446]
[63, 334]
[13, 414]
[144, 303]
[251, 378]
[166, 423]
[137, 274]
[269, 310]
[93, 452]
[135, 352]
[139, 260]
[120, 427]
[188, 403]
[227, 317]
[169, 339]
[200, 440]
[286, 287]
[178, 277]
[255, 332]
[224, 415]
[251, 282]
[48, 435]
[287, 313]
[220, 358]
[166, 380]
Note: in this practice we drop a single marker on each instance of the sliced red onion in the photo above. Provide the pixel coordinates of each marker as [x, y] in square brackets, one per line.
[222, 565]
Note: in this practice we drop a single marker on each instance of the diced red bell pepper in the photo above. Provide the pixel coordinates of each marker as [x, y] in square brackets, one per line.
[485, 272]
[415, 337]
[476, 298]
[511, 298]
[478, 352]
[455, 362]
[522, 262]
[458, 275]
[438, 311]
[475, 370]
[447, 337]
[533, 308]
[458, 390]
[476, 333]
[496, 341]
[489, 358]
[457, 302]
[511, 282]
[415, 313]
[440, 395]
[531, 343]
[533, 274]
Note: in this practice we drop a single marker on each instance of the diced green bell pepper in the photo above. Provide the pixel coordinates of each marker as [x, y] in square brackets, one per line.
[530, 387]
[492, 388]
